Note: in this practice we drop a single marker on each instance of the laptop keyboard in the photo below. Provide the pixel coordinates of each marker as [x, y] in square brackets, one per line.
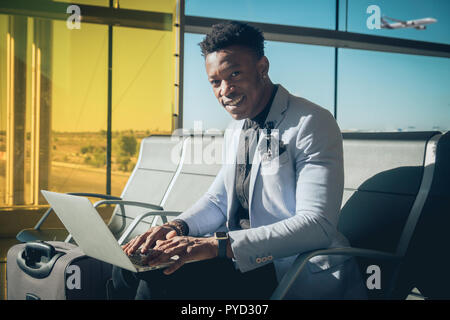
[137, 258]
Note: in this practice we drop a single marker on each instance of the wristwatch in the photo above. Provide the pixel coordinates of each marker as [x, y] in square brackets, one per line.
[222, 238]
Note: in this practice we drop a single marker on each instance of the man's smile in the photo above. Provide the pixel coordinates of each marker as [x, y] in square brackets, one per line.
[234, 102]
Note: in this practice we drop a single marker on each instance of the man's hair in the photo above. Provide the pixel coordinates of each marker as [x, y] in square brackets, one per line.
[231, 33]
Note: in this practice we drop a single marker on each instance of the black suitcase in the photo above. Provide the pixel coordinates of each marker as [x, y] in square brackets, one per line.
[54, 270]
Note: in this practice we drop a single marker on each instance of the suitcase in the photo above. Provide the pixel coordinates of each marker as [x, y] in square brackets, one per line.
[54, 270]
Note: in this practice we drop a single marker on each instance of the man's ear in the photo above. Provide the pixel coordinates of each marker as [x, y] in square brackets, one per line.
[263, 67]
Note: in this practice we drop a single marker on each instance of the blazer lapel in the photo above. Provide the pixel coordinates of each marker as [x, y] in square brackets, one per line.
[276, 115]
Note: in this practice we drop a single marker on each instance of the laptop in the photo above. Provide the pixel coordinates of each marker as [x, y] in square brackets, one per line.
[92, 235]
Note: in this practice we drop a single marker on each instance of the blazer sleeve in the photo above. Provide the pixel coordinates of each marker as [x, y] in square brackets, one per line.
[209, 212]
[318, 195]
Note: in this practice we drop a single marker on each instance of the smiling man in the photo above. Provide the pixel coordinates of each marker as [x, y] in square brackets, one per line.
[269, 216]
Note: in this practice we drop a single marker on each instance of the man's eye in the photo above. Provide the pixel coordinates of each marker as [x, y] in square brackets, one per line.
[215, 82]
[236, 73]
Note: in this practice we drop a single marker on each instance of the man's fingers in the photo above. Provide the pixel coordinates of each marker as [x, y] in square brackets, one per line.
[152, 255]
[154, 238]
[171, 234]
[127, 246]
[136, 243]
[164, 256]
[164, 245]
[149, 242]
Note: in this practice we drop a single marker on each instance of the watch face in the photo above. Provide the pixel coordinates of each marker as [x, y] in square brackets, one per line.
[221, 235]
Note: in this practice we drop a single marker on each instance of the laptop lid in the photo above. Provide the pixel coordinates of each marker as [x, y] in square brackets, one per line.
[88, 229]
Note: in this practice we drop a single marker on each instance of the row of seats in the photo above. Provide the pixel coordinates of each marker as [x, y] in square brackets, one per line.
[391, 181]
[172, 172]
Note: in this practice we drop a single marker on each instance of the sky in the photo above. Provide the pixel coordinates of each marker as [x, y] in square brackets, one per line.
[376, 91]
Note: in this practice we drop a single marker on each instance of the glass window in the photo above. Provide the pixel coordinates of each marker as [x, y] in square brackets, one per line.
[306, 13]
[144, 97]
[53, 109]
[304, 70]
[404, 10]
[54, 101]
[79, 108]
[200, 106]
[143, 94]
[14, 110]
[392, 92]
[3, 66]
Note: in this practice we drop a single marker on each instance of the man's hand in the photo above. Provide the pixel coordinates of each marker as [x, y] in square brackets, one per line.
[186, 248]
[148, 239]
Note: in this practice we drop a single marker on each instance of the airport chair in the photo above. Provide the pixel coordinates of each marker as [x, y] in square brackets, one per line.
[149, 184]
[388, 178]
[427, 260]
[201, 162]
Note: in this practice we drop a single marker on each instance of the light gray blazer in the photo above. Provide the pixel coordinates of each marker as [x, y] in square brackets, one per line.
[294, 201]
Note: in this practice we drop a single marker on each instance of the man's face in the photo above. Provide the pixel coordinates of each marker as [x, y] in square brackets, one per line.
[236, 76]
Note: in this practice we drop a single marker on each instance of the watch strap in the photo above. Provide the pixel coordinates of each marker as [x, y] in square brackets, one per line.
[222, 239]
[223, 248]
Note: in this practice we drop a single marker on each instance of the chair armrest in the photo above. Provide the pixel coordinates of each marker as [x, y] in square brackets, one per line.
[139, 218]
[81, 194]
[128, 203]
[94, 195]
[300, 263]
[123, 203]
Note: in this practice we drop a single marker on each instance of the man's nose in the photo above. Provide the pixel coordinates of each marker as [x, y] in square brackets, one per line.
[226, 88]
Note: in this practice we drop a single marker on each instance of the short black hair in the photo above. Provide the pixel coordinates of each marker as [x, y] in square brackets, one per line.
[231, 33]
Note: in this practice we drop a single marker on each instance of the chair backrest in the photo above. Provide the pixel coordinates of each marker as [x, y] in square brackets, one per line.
[157, 165]
[388, 179]
[201, 163]
[384, 173]
[427, 258]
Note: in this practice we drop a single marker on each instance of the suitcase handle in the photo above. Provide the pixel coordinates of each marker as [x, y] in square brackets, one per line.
[37, 259]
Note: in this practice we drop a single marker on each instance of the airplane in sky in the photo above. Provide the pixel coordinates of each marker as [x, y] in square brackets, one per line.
[419, 24]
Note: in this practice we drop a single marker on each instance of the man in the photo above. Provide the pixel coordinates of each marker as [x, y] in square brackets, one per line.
[279, 197]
